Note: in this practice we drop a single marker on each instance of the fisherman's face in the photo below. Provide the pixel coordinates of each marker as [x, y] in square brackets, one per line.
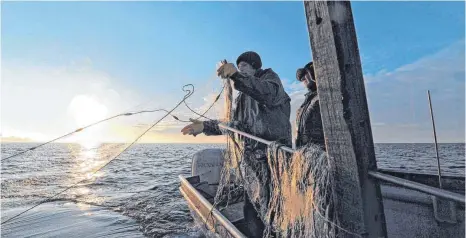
[307, 81]
[246, 68]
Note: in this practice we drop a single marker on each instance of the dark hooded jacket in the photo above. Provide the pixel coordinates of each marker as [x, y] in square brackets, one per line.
[262, 108]
[309, 122]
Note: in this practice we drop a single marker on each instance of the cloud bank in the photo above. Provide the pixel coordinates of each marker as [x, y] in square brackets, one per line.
[398, 99]
[40, 102]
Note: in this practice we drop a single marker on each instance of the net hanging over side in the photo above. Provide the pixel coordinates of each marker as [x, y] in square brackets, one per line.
[301, 203]
[230, 189]
[299, 186]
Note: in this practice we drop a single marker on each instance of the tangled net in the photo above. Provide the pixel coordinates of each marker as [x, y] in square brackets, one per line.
[293, 194]
[301, 203]
[230, 188]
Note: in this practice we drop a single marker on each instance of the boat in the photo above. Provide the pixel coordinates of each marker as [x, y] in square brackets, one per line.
[408, 212]
[414, 204]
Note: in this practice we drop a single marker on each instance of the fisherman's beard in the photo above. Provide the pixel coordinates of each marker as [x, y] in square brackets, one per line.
[311, 87]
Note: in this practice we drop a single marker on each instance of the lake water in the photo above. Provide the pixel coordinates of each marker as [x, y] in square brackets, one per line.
[137, 194]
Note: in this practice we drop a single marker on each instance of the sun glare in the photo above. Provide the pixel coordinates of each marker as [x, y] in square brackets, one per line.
[86, 110]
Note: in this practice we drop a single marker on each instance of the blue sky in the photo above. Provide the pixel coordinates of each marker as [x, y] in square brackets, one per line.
[153, 48]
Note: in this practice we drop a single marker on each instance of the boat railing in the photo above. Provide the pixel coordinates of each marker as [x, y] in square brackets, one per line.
[374, 174]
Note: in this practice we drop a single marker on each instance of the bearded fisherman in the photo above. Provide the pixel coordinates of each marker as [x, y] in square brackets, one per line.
[308, 118]
[262, 109]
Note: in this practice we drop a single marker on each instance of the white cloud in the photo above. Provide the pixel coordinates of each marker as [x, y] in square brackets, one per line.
[40, 102]
[36, 99]
[398, 100]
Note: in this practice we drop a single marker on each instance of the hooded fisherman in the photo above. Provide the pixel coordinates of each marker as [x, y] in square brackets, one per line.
[308, 119]
[263, 109]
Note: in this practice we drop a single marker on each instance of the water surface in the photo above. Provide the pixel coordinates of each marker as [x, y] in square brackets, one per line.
[138, 192]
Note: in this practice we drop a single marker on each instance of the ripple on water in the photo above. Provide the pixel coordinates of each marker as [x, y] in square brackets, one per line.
[143, 183]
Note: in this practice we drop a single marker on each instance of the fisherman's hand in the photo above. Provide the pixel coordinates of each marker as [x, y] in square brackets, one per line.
[226, 70]
[197, 127]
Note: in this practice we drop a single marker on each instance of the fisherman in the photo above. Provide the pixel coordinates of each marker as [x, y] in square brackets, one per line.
[308, 120]
[262, 108]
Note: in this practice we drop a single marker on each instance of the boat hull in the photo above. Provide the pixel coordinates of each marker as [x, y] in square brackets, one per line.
[205, 215]
[408, 213]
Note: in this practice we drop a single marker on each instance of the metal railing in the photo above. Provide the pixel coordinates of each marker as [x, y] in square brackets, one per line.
[374, 174]
[418, 186]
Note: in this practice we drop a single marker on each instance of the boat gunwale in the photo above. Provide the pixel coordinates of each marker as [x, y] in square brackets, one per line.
[420, 173]
[219, 217]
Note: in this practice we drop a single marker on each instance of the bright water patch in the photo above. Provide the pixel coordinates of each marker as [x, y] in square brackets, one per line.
[141, 186]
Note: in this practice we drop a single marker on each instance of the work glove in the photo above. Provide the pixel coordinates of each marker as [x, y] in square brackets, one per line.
[226, 70]
[195, 128]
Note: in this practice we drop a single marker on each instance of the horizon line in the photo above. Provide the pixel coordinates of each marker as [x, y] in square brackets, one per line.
[35, 142]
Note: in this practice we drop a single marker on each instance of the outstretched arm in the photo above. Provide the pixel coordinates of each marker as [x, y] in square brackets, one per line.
[197, 127]
[211, 128]
[264, 90]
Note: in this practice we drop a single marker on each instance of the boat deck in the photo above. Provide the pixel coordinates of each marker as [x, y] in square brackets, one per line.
[408, 213]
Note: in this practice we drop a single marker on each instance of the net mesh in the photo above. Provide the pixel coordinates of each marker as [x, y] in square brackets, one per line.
[301, 203]
[230, 188]
[292, 193]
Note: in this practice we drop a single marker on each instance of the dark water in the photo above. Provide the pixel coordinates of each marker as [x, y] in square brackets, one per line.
[421, 158]
[142, 184]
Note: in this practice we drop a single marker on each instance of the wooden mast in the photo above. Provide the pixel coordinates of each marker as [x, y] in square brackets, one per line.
[345, 117]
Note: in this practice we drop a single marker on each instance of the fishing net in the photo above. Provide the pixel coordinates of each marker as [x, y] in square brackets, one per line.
[230, 189]
[293, 197]
[292, 194]
[301, 203]
[242, 177]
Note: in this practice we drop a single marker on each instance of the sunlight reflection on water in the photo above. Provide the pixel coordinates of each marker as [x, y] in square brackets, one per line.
[143, 182]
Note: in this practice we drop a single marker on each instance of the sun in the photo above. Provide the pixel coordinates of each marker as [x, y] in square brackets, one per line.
[86, 110]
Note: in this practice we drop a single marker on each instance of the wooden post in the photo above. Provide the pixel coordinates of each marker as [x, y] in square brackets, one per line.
[345, 117]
